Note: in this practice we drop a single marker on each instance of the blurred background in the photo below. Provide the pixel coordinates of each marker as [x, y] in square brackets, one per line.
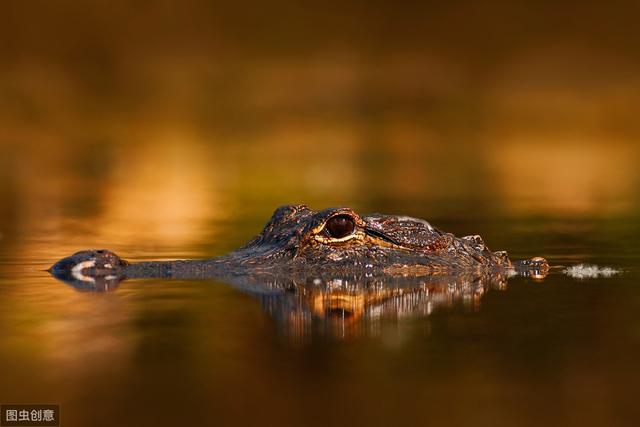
[166, 129]
[154, 116]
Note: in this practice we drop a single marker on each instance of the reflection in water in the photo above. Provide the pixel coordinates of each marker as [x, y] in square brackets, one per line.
[579, 174]
[346, 307]
[171, 184]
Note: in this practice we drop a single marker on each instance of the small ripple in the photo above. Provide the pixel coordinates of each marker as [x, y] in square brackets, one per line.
[585, 271]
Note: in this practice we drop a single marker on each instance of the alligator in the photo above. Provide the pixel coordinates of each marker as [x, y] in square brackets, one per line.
[331, 270]
[298, 243]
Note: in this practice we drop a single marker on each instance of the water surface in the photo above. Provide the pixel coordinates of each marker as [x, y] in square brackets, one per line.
[160, 352]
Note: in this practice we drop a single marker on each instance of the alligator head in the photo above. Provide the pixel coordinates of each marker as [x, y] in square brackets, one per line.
[297, 238]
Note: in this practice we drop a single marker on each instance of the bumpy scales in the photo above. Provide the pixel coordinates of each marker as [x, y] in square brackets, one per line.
[298, 242]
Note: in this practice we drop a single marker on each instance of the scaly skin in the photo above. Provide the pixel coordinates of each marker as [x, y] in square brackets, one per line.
[298, 243]
[331, 272]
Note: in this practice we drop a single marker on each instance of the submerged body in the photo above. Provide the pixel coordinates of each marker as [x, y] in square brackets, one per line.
[298, 242]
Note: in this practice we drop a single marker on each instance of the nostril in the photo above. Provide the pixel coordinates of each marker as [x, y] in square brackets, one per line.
[100, 251]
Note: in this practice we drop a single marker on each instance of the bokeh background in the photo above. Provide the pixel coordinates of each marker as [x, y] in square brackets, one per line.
[168, 129]
[153, 115]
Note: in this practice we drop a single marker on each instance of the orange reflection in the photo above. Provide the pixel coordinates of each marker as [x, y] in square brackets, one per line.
[346, 311]
[571, 175]
[162, 192]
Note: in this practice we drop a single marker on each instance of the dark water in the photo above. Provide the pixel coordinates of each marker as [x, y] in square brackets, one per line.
[558, 351]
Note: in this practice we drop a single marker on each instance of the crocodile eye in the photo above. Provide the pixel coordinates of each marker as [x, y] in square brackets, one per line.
[340, 226]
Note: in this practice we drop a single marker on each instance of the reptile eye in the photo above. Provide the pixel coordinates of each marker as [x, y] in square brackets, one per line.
[340, 226]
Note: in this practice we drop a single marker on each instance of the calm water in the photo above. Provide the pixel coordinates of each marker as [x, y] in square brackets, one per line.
[165, 131]
[151, 352]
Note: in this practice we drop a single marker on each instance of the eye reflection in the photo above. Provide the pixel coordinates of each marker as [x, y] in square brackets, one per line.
[340, 226]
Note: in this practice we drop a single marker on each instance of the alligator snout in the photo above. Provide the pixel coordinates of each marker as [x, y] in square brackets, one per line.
[90, 269]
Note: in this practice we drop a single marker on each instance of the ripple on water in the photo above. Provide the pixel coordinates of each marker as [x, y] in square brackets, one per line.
[585, 271]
